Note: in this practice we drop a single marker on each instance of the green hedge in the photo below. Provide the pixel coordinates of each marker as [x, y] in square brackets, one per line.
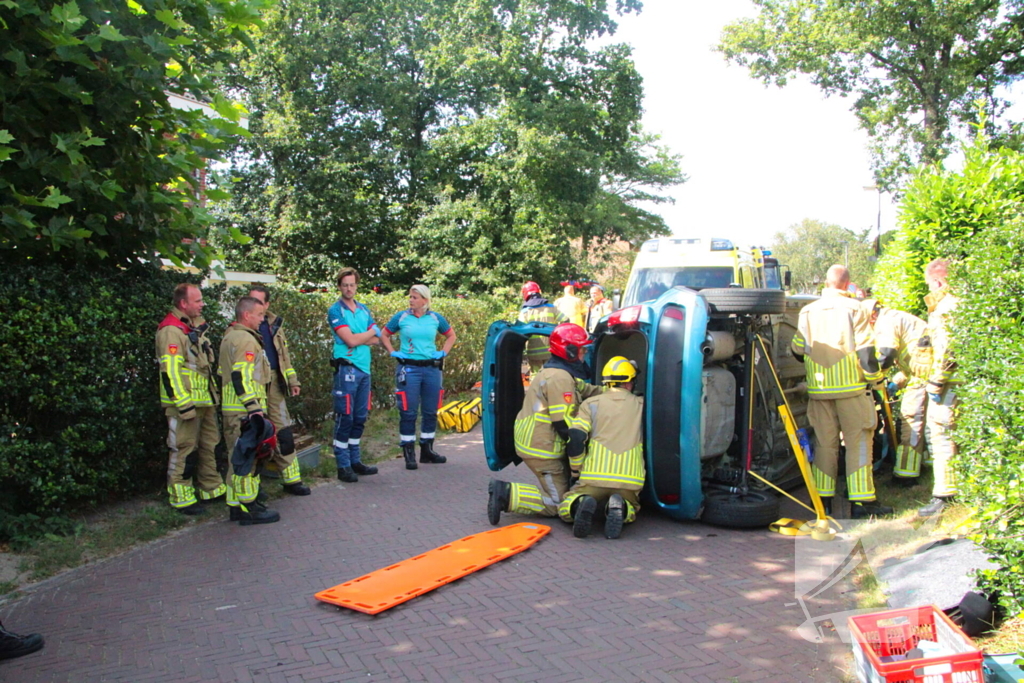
[79, 421]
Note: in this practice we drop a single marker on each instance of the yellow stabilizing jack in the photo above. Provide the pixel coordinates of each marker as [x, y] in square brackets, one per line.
[890, 426]
[821, 528]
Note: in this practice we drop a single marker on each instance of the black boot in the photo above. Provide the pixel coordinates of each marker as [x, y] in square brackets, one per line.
[296, 489]
[193, 509]
[427, 453]
[255, 513]
[12, 645]
[615, 517]
[347, 474]
[934, 507]
[826, 502]
[868, 509]
[583, 516]
[409, 453]
[360, 468]
[498, 494]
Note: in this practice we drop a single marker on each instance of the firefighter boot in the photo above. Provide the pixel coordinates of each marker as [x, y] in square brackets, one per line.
[192, 510]
[347, 474]
[583, 516]
[933, 508]
[498, 494]
[357, 463]
[615, 516]
[409, 453]
[12, 645]
[427, 453]
[826, 502]
[870, 509]
[254, 513]
[296, 489]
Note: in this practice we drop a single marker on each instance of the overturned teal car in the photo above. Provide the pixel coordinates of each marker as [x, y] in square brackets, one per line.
[692, 349]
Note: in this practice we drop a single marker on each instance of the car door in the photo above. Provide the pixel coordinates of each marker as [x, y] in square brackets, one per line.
[502, 388]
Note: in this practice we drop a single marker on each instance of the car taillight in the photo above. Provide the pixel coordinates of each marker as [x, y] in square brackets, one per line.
[670, 498]
[673, 312]
[625, 317]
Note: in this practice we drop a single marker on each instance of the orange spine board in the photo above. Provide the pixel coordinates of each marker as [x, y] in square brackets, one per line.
[383, 589]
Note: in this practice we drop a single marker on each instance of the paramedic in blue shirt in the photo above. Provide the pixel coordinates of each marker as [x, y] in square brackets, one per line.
[418, 375]
[354, 334]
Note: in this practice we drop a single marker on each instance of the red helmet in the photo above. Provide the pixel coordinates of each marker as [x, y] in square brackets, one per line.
[569, 341]
[529, 288]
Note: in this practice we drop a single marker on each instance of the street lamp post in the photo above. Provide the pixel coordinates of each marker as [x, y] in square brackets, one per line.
[878, 220]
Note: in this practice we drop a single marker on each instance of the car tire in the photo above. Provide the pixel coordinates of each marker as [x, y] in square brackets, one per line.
[727, 300]
[740, 510]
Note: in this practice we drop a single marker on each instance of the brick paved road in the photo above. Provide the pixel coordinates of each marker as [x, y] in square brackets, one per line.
[668, 601]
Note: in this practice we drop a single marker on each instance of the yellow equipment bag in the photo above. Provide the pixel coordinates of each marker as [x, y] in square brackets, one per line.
[461, 416]
[447, 416]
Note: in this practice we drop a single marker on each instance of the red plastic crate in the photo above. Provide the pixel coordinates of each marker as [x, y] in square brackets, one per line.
[882, 634]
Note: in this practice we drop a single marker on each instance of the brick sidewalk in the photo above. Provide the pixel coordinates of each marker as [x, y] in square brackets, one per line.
[668, 601]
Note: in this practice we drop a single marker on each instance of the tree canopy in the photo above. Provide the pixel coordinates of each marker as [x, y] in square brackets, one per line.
[463, 142]
[811, 246]
[915, 68]
[94, 161]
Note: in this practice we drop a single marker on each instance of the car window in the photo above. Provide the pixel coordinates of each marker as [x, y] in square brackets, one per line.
[650, 283]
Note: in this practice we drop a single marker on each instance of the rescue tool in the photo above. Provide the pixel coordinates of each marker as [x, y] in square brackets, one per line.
[383, 589]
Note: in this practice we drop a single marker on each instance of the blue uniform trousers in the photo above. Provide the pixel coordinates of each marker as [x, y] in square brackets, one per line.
[351, 404]
[417, 387]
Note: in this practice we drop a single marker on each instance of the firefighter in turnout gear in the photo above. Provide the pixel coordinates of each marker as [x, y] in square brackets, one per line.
[933, 363]
[571, 306]
[606, 453]
[189, 398]
[284, 382]
[896, 334]
[542, 429]
[536, 309]
[245, 373]
[834, 341]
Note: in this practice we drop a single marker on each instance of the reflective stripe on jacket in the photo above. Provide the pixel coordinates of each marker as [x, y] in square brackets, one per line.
[551, 397]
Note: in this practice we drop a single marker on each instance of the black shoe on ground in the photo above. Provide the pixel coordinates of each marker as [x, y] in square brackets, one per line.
[255, 514]
[296, 489]
[360, 468]
[346, 474]
[12, 645]
[427, 453]
[409, 453]
[933, 508]
[192, 510]
[865, 510]
[584, 516]
[498, 494]
[905, 482]
[615, 517]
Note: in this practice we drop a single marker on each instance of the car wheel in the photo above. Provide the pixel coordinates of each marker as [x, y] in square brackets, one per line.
[736, 300]
[740, 510]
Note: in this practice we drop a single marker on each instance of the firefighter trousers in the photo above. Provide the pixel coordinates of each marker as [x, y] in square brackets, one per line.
[602, 495]
[241, 489]
[855, 419]
[941, 419]
[191, 465]
[283, 459]
[913, 408]
[553, 479]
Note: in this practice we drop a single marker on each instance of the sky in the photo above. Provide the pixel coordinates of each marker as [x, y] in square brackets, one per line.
[759, 158]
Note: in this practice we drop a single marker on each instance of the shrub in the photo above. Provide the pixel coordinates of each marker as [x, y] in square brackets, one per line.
[989, 342]
[79, 419]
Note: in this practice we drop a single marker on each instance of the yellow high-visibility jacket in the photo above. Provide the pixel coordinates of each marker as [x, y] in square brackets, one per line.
[245, 370]
[186, 362]
[835, 341]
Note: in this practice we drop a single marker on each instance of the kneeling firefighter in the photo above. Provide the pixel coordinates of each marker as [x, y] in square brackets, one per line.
[606, 453]
[542, 430]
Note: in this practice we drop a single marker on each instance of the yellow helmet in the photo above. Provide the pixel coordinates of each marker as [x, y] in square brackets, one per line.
[618, 370]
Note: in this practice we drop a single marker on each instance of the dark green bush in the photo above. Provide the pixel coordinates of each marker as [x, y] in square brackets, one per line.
[989, 342]
[79, 417]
